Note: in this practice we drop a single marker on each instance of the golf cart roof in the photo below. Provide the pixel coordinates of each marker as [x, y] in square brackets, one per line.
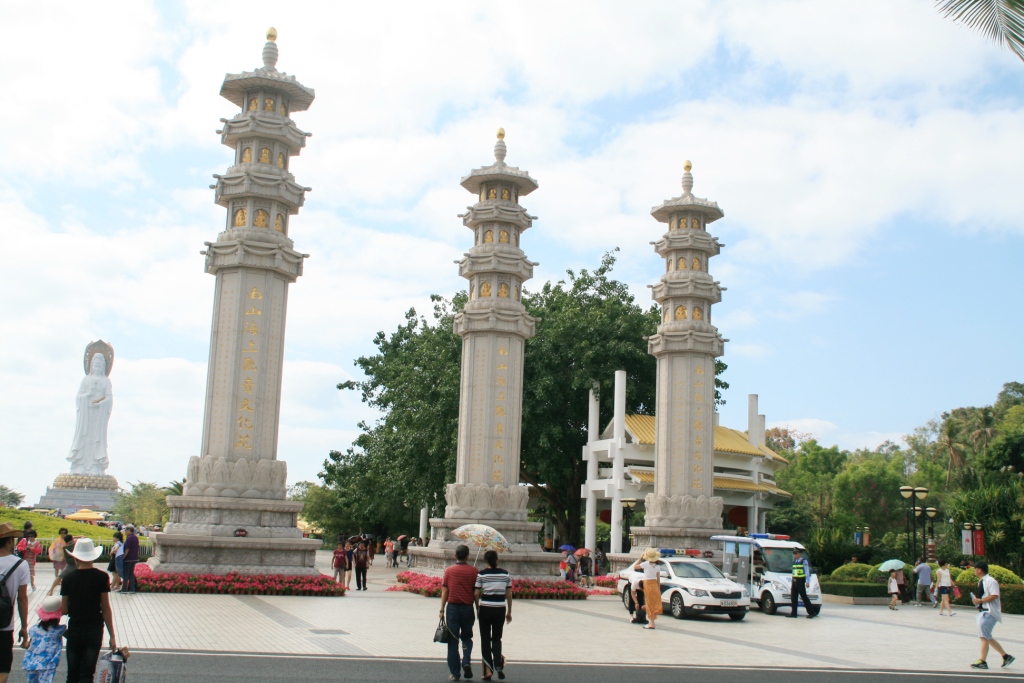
[760, 542]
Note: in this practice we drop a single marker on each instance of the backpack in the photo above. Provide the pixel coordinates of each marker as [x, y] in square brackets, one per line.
[6, 599]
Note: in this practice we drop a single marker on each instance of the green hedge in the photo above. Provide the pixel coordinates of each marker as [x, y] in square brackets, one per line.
[853, 572]
[1002, 575]
[854, 589]
[1011, 597]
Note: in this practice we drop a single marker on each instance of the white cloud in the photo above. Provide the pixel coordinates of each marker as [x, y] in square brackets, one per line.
[815, 142]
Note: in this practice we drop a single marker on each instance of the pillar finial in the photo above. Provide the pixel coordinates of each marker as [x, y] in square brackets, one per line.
[499, 147]
[270, 50]
[687, 178]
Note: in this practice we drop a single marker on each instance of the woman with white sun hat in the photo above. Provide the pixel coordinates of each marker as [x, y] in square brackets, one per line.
[85, 598]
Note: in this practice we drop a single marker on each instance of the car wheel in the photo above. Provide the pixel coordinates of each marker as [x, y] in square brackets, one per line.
[738, 617]
[677, 607]
[768, 605]
[625, 597]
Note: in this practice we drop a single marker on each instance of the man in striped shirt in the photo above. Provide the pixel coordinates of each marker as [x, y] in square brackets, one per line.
[494, 605]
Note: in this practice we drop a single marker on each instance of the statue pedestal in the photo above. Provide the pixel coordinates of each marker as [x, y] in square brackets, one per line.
[526, 559]
[72, 492]
[207, 535]
[677, 538]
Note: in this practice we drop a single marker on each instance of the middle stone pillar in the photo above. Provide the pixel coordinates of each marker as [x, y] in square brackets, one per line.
[494, 327]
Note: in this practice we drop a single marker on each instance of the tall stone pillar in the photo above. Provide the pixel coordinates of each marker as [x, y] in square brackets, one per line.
[494, 327]
[683, 511]
[233, 515]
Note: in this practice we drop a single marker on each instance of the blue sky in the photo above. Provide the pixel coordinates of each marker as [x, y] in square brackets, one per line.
[866, 155]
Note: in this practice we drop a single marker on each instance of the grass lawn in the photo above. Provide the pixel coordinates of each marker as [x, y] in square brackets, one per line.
[47, 526]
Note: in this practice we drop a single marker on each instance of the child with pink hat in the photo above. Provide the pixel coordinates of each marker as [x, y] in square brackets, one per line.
[43, 656]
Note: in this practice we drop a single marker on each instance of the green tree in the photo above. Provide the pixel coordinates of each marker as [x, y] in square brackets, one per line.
[1001, 21]
[867, 491]
[590, 326]
[175, 488]
[810, 476]
[9, 497]
[143, 504]
[950, 445]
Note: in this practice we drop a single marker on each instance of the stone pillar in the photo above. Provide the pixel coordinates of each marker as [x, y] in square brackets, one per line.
[593, 433]
[683, 511]
[494, 327]
[424, 515]
[234, 516]
[618, 459]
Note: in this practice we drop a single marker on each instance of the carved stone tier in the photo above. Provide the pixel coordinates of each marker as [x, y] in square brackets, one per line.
[525, 560]
[242, 252]
[222, 535]
[501, 258]
[262, 182]
[681, 283]
[683, 511]
[500, 210]
[264, 125]
[480, 502]
[701, 338]
[103, 482]
[237, 478]
[496, 320]
[688, 239]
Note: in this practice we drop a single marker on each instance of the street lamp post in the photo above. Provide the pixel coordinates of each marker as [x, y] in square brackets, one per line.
[907, 492]
[931, 512]
[920, 493]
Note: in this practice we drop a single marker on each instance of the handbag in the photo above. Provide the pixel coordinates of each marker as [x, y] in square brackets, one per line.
[956, 592]
[442, 634]
[112, 668]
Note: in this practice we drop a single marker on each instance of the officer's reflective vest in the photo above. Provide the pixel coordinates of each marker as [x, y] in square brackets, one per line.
[798, 570]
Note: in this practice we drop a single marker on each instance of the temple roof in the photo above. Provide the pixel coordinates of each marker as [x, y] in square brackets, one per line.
[641, 429]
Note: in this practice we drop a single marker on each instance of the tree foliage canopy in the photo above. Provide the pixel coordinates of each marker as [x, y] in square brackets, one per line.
[590, 326]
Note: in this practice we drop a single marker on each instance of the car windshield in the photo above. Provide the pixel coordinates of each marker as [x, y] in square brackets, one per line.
[696, 570]
[780, 559]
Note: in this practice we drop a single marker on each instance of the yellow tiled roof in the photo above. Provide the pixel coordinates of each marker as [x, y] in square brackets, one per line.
[720, 483]
[643, 476]
[775, 489]
[641, 427]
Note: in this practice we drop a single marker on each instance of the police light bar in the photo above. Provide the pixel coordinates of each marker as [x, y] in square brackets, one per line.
[771, 537]
[667, 552]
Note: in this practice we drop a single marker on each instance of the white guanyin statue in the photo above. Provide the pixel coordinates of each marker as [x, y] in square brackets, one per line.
[94, 401]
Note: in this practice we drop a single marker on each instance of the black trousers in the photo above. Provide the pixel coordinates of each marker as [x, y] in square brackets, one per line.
[360, 578]
[798, 591]
[131, 583]
[639, 615]
[83, 651]
[492, 624]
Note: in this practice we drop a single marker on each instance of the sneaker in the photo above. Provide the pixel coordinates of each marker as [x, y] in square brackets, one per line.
[1008, 660]
[467, 672]
[980, 664]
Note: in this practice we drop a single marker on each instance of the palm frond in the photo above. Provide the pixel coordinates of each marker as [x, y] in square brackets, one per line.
[1001, 21]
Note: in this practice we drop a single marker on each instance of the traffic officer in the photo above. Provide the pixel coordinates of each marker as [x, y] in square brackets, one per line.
[801, 570]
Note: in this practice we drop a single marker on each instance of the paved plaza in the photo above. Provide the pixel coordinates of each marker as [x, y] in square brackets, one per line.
[399, 626]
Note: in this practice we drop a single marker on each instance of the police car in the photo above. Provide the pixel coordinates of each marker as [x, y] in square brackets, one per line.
[692, 586]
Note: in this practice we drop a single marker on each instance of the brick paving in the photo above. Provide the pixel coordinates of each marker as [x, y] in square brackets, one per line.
[376, 623]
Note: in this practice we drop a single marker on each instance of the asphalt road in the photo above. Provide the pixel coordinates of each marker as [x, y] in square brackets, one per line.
[194, 667]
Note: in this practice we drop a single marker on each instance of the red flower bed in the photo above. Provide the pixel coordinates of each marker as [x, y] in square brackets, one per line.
[430, 586]
[235, 584]
[601, 591]
[607, 581]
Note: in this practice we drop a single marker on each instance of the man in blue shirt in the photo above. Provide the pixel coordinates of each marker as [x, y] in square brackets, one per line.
[924, 582]
[801, 571]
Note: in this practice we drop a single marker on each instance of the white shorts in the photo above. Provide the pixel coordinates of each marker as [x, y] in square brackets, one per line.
[986, 622]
